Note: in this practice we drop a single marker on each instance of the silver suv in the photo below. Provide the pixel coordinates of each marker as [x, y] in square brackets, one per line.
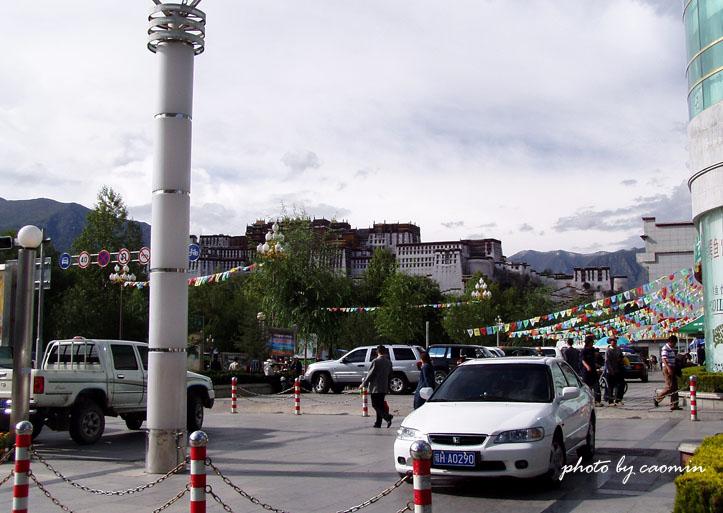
[350, 369]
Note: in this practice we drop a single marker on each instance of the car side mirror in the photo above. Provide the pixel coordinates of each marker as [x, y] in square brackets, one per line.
[569, 393]
[426, 392]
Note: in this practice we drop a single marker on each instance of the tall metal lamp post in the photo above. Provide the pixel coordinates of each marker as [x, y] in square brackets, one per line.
[121, 279]
[29, 238]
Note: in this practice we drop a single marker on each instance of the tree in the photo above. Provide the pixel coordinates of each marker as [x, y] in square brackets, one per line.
[294, 286]
[91, 305]
[382, 266]
[401, 320]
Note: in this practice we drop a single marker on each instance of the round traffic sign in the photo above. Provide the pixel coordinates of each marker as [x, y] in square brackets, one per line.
[83, 259]
[194, 252]
[64, 261]
[124, 256]
[103, 258]
[144, 255]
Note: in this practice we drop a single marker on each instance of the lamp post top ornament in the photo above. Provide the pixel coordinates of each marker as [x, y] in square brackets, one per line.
[174, 22]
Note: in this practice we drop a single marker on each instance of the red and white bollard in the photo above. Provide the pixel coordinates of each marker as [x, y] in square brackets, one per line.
[421, 453]
[365, 402]
[693, 405]
[233, 394]
[23, 433]
[198, 441]
[297, 397]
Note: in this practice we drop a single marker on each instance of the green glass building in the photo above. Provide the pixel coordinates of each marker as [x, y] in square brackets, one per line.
[704, 42]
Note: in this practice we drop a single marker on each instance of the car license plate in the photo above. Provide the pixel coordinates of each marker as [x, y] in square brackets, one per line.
[454, 458]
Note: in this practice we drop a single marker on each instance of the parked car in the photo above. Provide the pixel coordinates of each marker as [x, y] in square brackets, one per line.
[497, 351]
[555, 352]
[350, 369]
[516, 417]
[445, 357]
[637, 368]
[519, 351]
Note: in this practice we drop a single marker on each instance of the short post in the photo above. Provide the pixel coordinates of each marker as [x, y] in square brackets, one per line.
[297, 397]
[233, 394]
[421, 453]
[198, 441]
[23, 434]
[365, 402]
[693, 405]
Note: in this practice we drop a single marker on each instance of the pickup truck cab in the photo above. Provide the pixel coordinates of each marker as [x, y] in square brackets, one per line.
[81, 381]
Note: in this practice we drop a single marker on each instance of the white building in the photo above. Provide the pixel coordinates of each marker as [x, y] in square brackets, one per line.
[668, 247]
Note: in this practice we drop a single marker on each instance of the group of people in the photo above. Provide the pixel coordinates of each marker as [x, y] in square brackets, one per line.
[587, 364]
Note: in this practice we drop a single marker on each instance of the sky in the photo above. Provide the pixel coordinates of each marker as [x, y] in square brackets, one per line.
[549, 125]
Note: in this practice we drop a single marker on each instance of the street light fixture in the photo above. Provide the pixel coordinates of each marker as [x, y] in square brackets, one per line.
[499, 328]
[273, 244]
[121, 279]
[480, 291]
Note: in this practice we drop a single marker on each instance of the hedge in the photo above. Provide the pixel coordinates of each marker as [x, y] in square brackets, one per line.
[702, 492]
[705, 381]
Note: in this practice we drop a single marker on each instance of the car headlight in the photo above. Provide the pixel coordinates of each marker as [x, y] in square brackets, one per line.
[520, 435]
[407, 433]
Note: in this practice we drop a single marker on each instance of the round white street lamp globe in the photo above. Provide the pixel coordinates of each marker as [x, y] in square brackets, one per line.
[30, 236]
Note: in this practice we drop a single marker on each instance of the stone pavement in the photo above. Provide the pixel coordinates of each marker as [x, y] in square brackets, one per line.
[329, 459]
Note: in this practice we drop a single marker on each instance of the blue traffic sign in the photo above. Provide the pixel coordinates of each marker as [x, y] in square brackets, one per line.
[194, 252]
[64, 261]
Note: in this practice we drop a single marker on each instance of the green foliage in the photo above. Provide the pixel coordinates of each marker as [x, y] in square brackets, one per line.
[295, 286]
[90, 305]
[382, 266]
[399, 321]
[702, 492]
[705, 381]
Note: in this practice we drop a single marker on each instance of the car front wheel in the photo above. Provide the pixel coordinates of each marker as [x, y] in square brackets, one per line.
[587, 451]
[439, 377]
[557, 461]
[321, 383]
[194, 412]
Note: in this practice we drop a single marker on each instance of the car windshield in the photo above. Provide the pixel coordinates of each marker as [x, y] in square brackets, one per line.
[6, 359]
[519, 382]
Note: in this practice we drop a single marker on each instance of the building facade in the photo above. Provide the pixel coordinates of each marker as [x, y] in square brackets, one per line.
[668, 247]
[703, 20]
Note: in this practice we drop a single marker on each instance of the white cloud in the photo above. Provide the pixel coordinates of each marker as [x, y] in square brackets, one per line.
[476, 112]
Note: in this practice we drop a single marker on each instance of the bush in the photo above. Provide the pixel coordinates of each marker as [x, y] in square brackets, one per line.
[705, 381]
[224, 377]
[702, 492]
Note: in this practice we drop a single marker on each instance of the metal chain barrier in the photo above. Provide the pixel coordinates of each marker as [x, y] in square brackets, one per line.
[7, 478]
[47, 493]
[179, 467]
[408, 507]
[267, 507]
[173, 500]
[7, 456]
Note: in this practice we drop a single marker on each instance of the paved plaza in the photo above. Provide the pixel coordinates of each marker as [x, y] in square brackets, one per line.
[330, 459]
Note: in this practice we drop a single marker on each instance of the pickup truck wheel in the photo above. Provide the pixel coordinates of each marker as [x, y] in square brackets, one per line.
[87, 422]
[321, 383]
[439, 377]
[134, 422]
[194, 412]
[38, 423]
[398, 384]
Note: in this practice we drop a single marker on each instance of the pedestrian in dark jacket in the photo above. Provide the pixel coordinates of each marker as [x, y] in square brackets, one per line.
[378, 381]
[572, 356]
[426, 379]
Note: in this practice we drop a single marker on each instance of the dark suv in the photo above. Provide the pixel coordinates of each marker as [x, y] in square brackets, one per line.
[445, 357]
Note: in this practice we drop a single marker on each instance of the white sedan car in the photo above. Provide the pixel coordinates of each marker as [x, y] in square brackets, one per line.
[516, 416]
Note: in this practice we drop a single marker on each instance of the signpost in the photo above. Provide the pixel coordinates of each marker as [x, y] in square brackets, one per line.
[194, 252]
[103, 258]
[124, 256]
[65, 261]
[83, 259]
[144, 255]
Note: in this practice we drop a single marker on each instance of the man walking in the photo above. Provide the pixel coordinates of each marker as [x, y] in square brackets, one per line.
[667, 362]
[378, 381]
[615, 369]
[572, 356]
[588, 368]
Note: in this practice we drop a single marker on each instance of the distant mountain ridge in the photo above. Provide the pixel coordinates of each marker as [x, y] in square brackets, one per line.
[63, 222]
[622, 262]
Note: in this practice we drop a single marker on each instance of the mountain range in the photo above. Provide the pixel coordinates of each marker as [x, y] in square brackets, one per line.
[63, 222]
[621, 263]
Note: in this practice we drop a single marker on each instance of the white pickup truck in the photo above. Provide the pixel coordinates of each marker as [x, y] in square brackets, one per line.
[81, 381]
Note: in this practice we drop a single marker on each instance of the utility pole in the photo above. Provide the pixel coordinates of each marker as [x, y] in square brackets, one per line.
[176, 35]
